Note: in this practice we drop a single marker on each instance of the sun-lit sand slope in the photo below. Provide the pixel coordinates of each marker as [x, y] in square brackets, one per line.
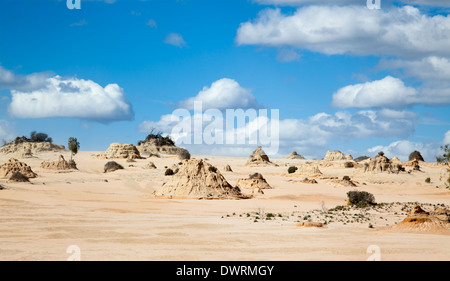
[114, 216]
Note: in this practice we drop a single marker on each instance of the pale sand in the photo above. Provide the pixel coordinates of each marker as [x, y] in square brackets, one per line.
[120, 220]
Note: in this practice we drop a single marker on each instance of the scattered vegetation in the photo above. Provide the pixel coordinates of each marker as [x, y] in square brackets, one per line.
[381, 153]
[372, 216]
[34, 137]
[346, 178]
[445, 158]
[292, 169]
[427, 180]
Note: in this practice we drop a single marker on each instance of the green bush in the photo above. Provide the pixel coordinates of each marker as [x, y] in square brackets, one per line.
[427, 180]
[292, 169]
[346, 178]
[169, 172]
[360, 198]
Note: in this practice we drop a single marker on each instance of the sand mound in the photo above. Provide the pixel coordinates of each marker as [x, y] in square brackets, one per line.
[308, 169]
[334, 156]
[155, 144]
[419, 220]
[121, 151]
[342, 182]
[294, 155]
[23, 153]
[112, 166]
[258, 157]
[378, 164]
[254, 181]
[227, 168]
[198, 179]
[14, 165]
[309, 224]
[150, 165]
[306, 180]
[412, 163]
[59, 165]
[33, 147]
[395, 161]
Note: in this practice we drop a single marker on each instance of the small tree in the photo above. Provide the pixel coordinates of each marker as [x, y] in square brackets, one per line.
[73, 146]
[446, 156]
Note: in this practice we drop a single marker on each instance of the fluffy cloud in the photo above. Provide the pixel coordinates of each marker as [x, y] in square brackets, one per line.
[430, 70]
[434, 3]
[72, 97]
[9, 80]
[402, 149]
[355, 30]
[389, 92]
[308, 136]
[175, 39]
[222, 94]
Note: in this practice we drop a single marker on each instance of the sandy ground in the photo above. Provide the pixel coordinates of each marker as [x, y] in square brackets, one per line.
[114, 216]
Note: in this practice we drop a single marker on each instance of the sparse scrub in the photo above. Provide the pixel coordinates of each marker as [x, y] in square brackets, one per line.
[183, 154]
[360, 198]
[158, 139]
[169, 172]
[292, 169]
[427, 180]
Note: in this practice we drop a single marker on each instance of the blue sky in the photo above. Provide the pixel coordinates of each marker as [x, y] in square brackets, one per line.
[343, 77]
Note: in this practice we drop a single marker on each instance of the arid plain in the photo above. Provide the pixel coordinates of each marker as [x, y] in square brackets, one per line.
[116, 216]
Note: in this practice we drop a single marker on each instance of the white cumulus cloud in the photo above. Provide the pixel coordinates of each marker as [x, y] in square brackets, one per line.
[74, 98]
[388, 92]
[354, 30]
[224, 93]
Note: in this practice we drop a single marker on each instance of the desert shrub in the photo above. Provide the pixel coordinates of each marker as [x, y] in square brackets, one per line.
[112, 166]
[361, 158]
[348, 165]
[169, 172]
[158, 139]
[427, 180]
[39, 137]
[255, 176]
[183, 154]
[400, 168]
[415, 155]
[292, 169]
[360, 198]
[381, 153]
[19, 177]
[416, 168]
[346, 178]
